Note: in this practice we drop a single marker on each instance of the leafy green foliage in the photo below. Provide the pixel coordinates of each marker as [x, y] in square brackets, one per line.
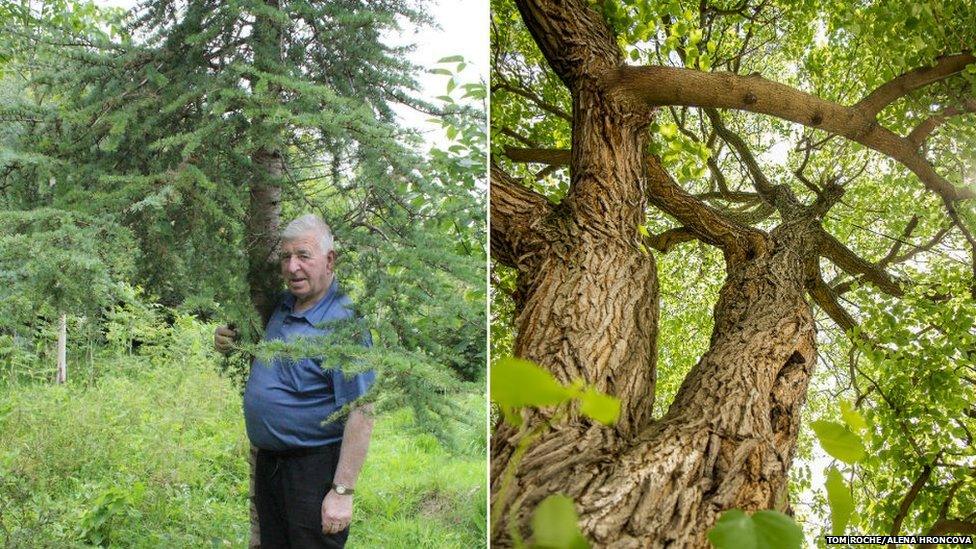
[855, 422]
[761, 530]
[518, 383]
[153, 454]
[840, 499]
[168, 116]
[917, 408]
[554, 525]
[96, 522]
[54, 261]
[905, 382]
[599, 406]
[838, 441]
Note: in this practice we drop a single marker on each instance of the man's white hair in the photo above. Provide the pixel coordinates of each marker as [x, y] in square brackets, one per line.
[310, 223]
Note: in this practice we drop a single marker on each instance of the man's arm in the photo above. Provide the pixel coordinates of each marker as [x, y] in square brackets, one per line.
[336, 509]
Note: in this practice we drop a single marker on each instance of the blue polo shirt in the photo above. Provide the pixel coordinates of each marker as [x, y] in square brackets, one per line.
[286, 401]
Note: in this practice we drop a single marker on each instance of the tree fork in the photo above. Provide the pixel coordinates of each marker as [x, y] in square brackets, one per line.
[590, 312]
[727, 441]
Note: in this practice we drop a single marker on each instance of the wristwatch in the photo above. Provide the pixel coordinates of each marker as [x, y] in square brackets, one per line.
[342, 490]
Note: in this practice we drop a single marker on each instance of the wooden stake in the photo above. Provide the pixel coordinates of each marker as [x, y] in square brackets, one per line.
[63, 349]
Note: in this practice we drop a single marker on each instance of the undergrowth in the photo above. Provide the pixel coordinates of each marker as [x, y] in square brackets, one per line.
[152, 452]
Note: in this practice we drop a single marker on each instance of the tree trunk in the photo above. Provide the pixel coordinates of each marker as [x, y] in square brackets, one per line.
[264, 277]
[263, 228]
[62, 376]
[264, 213]
[588, 305]
[727, 440]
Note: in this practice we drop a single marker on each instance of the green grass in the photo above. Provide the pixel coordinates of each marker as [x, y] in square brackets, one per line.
[414, 494]
[154, 455]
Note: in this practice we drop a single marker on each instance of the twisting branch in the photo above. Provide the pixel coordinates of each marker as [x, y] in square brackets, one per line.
[657, 85]
[846, 259]
[924, 247]
[925, 128]
[968, 235]
[670, 238]
[710, 225]
[552, 157]
[914, 79]
[777, 196]
[893, 252]
[909, 498]
[505, 85]
[518, 137]
[664, 193]
[826, 299]
[951, 526]
[517, 213]
[945, 525]
[731, 196]
[890, 259]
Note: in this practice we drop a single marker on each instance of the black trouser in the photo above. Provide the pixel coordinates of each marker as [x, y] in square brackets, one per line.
[289, 488]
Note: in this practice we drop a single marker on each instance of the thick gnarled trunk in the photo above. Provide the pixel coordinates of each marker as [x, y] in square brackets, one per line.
[586, 308]
[727, 440]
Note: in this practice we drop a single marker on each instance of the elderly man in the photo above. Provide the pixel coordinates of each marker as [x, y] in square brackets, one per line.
[306, 471]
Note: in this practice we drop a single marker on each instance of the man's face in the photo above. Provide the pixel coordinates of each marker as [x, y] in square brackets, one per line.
[306, 270]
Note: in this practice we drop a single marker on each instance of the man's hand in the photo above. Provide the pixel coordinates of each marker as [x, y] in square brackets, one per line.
[224, 338]
[336, 512]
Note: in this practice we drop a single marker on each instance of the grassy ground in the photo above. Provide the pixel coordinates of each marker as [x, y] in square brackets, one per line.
[154, 455]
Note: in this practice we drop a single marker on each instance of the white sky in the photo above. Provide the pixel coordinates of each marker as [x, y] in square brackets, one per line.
[463, 31]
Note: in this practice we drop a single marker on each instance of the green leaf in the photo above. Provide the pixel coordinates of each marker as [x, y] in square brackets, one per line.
[841, 501]
[734, 529]
[516, 382]
[774, 529]
[512, 417]
[669, 130]
[445, 72]
[451, 59]
[601, 407]
[838, 441]
[554, 524]
[763, 530]
[852, 417]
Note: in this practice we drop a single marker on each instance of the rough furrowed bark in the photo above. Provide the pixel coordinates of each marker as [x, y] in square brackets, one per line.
[728, 438]
[584, 319]
[573, 325]
[726, 442]
[589, 300]
[591, 303]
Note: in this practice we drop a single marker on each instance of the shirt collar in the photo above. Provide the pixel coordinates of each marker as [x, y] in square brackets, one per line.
[316, 312]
